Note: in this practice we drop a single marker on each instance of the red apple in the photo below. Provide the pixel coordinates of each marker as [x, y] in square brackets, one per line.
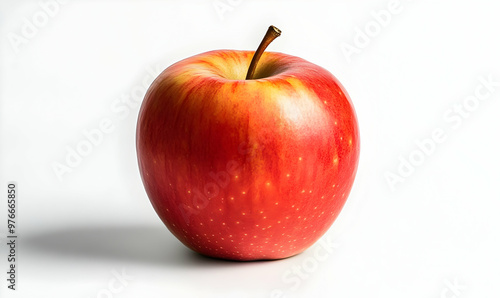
[247, 169]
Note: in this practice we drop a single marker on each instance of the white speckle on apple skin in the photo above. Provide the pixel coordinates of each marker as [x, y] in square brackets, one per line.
[236, 216]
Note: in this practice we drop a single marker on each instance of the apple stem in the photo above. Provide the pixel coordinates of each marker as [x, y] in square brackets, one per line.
[271, 35]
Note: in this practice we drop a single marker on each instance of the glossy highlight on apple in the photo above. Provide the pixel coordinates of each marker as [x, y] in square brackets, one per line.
[247, 155]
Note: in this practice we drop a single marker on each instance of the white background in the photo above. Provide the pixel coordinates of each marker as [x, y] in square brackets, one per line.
[434, 234]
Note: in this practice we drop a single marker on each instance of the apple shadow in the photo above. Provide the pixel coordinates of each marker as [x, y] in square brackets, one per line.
[146, 245]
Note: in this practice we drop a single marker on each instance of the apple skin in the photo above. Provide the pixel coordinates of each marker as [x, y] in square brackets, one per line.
[247, 169]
